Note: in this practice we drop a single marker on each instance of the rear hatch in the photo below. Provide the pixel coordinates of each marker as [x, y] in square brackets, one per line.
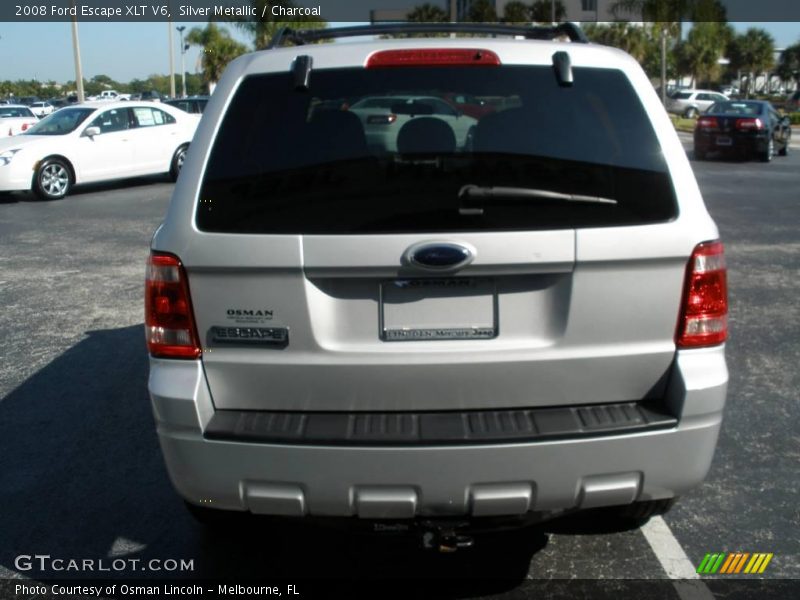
[532, 261]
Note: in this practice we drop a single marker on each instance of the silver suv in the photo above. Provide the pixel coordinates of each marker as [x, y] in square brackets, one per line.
[690, 103]
[511, 324]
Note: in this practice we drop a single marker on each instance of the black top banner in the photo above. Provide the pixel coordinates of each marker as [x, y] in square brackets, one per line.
[371, 10]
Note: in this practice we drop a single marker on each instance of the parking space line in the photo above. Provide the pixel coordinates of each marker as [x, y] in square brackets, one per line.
[674, 561]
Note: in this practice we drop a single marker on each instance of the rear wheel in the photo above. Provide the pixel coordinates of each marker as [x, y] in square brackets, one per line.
[785, 150]
[177, 162]
[52, 179]
[767, 155]
[690, 113]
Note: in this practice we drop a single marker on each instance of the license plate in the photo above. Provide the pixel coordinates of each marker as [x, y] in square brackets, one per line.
[724, 141]
[455, 308]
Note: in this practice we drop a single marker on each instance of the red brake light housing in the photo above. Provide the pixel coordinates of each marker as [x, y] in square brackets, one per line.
[433, 57]
[168, 317]
[707, 123]
[749, 124]
[704, 313]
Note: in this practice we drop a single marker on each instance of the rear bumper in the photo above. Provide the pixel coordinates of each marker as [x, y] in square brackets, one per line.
[407, 481]
[750, 143]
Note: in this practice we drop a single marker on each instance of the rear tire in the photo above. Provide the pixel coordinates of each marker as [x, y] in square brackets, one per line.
[767, 155]
[52, 180]
[690, 113]
[784, 151]
[177, 162]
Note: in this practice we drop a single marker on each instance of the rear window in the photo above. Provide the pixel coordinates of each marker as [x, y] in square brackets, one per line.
[736, 108]
[389, 151]
[15, 112]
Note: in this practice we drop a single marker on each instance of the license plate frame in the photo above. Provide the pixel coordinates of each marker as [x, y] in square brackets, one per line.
[723, 140]
[477, 296]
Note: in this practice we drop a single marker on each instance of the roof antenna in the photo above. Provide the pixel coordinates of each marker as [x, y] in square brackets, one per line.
[563, 68]
[302, 72]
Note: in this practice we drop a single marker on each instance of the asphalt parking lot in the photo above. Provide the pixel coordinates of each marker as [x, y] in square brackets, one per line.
[82, 475]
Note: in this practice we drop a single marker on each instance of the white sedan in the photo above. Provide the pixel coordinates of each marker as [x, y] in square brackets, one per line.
[84, 143]
[15, 119]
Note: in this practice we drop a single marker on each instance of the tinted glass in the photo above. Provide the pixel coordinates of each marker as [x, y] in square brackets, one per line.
[15, 112]
[736, 108]
[682, 95]
[117, 119]
[379, 151]
[184, 105]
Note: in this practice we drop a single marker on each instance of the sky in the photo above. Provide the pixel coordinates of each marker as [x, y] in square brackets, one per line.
[125, 51]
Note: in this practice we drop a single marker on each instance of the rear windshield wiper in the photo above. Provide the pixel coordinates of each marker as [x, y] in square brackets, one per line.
[471, 191]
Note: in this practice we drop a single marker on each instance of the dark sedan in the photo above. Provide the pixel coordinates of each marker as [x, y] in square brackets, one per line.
[193, 104]
[743, 127]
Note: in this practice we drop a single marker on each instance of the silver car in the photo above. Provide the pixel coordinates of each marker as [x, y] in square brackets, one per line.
[506, 330]
[690, 103]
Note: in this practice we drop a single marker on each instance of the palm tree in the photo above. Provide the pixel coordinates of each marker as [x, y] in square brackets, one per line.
[542, 11]
[481, 11]
[427, 13]
[263, 28]
[631, 38]
[669, 15]
[516, 12]
[219, 48]
[699, 55]
[752, 52]
[789, 64]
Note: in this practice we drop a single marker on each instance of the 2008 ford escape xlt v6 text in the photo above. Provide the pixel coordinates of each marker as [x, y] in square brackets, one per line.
[366, 303]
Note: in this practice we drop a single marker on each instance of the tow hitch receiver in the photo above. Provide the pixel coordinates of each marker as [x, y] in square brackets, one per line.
[445, 537]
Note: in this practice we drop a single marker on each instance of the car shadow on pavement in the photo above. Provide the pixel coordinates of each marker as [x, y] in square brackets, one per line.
[8, 198]
[82, 478]
[91, 188]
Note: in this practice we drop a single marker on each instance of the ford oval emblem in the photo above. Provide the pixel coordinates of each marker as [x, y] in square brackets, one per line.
[439, 256]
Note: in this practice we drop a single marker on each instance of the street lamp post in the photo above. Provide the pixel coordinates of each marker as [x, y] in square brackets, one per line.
[76, 50]
[171, 61]
[183, 64]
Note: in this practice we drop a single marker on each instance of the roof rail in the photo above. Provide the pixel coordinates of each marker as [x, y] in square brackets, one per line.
[536, 32]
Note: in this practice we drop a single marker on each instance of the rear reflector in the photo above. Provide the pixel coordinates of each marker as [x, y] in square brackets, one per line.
[168, 318]
[704, 315]
[749, 124]
[432, 57]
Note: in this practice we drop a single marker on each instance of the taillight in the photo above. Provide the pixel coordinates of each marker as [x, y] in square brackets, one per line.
[381, 119]
[749, 124]
[707, 123]
[24, 127]
[704, 315]
[432, 57]
[168, 319]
